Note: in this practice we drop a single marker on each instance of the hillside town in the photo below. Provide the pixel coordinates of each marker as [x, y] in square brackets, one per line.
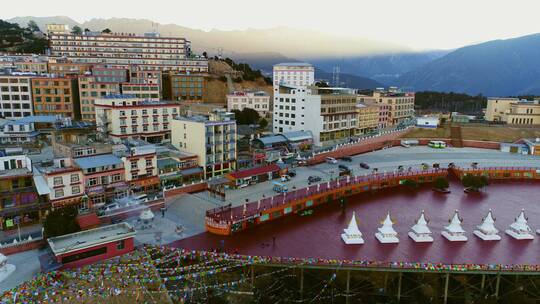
[113, 145]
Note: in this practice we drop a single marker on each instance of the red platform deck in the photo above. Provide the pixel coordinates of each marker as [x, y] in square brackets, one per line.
[318, 235]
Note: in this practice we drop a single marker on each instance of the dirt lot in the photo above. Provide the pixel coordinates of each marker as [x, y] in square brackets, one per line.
[478, 132]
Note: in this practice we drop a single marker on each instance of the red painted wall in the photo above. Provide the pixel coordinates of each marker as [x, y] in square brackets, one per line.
[111, 252]
[22, 247]
[186, 189]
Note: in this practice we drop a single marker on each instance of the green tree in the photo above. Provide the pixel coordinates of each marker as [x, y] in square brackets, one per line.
[87, 30]
[263, 123]
[475, 182]
[61, 221]
[246, 116]
[106, 31]
[76, 30]
[322, 84]
[440, 183]
[32, 25]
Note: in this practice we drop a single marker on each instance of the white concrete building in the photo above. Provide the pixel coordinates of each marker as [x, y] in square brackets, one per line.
[211, 137]
[329, 113]
[298, 74]
[430, 122]
[15, 95]
[124, 116]
[258, 101]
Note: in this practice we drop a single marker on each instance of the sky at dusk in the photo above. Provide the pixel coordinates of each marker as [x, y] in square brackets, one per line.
[420, 24]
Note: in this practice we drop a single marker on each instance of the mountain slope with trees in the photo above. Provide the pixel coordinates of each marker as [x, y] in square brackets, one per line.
[495, 68]
[16, 39]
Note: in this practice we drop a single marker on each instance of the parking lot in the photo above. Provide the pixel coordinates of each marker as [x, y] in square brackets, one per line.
[388, 160]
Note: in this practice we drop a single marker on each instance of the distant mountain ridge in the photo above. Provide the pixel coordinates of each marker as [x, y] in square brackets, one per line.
[290, 42]
[507, 67]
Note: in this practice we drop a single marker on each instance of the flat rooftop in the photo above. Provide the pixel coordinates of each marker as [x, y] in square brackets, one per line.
[89, 238]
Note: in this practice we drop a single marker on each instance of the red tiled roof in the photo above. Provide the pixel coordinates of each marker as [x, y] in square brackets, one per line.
[255, 171]
[88, 221]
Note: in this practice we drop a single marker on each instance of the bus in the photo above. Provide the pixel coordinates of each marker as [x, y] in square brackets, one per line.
[280, 188]
[437, 144]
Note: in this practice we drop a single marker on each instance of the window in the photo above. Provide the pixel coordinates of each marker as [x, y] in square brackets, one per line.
[74, 178]
[75, 190]
[149, 163]
[134, 165]
[84, 255]
[58, 181]
[116, 177]
[92, 181]
[120, 245]
[58, 193]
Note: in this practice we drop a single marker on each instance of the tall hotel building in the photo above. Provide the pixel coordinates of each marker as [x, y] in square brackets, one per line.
[149, 50]
[15, 95]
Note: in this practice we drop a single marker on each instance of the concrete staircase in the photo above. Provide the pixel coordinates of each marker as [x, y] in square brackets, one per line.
[455, 136]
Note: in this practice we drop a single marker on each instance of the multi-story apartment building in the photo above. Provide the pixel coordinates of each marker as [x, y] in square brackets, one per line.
[513, 111]
[64, 68]
[368, 118]
[104, 178]
[149, 50]
[89, 90]
[17, 132]
[62, 181]
[211, 137]
[146, 91]
[19, 202]
[54, 95]
[329, 113]
[184, 87]
[140, 163]
[176, 168]
[296, 74]
[400, 105]
[25, 63]
[15, 95]
[258, 101]
[110, 74]
[126, 117]
[36, 66]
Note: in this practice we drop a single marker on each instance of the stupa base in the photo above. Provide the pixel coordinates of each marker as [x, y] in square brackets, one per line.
[385, 239]
[454, 238]
[6, 271]
[519, 236]
[487, 237]
[420, 238]
[351, 240]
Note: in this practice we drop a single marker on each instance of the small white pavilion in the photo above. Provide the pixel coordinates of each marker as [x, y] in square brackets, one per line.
[519, 228]
[487, 230]
[351, 234]
[454, 232]
[386, 233]
[420, 232]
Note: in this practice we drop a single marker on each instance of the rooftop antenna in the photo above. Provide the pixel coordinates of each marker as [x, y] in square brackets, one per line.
[220, 52]
[335, 76]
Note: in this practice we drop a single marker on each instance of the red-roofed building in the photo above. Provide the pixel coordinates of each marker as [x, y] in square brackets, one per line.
[247, 177]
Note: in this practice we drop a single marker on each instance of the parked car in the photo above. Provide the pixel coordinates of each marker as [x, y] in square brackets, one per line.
[364, 165]
[346, 158]
[344, 168]
[314, 179]
[331, 160]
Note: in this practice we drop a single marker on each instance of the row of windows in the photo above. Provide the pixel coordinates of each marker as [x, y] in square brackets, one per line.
[66, 99]
[14, 89]
[16, 114]
[14, 80]
[16, 106]
[134, 129]
[145, 112]
[15, 97]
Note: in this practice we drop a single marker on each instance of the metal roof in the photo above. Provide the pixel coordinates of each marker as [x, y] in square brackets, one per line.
[191, 171]
[97, 161]
[268, 140]
[298, 135]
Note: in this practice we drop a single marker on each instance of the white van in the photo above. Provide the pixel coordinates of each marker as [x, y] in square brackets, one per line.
[331, 160]
[141, 197]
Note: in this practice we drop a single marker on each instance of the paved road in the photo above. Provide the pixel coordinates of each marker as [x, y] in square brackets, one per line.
[388, 160]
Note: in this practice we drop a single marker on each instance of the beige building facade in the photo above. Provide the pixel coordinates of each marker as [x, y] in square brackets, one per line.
[513, 111]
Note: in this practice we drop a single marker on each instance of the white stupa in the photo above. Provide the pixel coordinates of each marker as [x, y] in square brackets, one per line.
[454, 232]
[386, 233]
[420, 232]
[519, 228]
[5, 268]
[351, 234]
[487, 231]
